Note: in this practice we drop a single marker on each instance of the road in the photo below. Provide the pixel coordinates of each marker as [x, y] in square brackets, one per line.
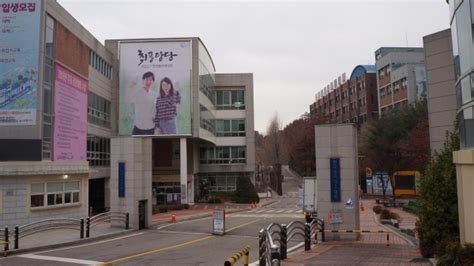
[183, 243]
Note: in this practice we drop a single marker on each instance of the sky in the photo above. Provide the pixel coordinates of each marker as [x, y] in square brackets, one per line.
[294, 49]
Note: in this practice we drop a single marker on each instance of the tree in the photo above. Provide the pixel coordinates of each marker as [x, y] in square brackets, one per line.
[437, 207]
[390, 143]
[300, 143]
[275, 151]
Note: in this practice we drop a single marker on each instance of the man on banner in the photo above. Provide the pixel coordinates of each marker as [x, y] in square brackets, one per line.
[144, 105]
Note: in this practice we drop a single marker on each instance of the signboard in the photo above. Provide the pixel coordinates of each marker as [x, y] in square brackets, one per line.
[335, 217]
[335, 178]
[70, 120]
[121, 180]
[381, 179]
[155, 88]
[218, 222]
[19, 59]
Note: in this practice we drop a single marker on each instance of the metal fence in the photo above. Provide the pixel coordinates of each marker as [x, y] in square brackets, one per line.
[84, 226]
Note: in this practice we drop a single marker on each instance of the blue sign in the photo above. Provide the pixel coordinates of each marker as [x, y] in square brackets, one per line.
[335, 176]
[19, 59]
[121, 180]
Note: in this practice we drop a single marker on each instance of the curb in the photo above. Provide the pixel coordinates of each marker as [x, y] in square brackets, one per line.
[399, 234]
[70, 243]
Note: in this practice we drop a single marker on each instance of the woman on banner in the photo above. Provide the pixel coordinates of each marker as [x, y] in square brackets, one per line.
[166, 107]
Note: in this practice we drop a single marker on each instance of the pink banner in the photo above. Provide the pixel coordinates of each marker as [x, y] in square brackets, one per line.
[70, 121]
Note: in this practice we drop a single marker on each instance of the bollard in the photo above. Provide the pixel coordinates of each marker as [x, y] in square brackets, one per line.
[323, 236]
[17, 236]
[307, 237]
[388, 239]
[82, 228]
[173, 219]
[246, 258]
[88, 227]
[242, 253]
[283, 241]
[261, 243]
[127, 220]
[275, 255]
[6, 247]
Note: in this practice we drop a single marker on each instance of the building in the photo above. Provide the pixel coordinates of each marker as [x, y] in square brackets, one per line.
[401, 78]
[351, 101]
[67, 138]
[461, 20]
[441, 96]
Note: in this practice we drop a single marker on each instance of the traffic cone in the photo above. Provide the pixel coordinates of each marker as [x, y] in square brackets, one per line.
[362, 206]
[173, 219]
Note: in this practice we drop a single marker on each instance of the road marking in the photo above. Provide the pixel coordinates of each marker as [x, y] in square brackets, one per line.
[60, 259]
[238, 226]
[90, 244]
[157, 250]
[260, 211]
[280, 211]
[187, 233]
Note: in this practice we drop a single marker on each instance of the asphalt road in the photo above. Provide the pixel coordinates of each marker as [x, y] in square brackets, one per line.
[183, 243]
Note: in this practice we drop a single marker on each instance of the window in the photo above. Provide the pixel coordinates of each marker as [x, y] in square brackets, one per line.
[219, 181]
[48, 194]
[98, 110]
[223, 155]
[207, 120]
[230, 128]
[230, 99]
[100, 65]
[98, 151]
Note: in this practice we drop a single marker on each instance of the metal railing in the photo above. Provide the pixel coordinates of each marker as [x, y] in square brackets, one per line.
[82, 225]
[270, 253]
[234, 258]
[107, 217]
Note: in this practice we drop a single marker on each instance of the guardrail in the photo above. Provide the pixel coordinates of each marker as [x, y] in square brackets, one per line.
[107, 217]
[270, 253]
[82, 225]
[243, 252]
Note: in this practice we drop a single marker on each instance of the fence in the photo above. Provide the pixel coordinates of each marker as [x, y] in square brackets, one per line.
[270, 253]
[82, 225]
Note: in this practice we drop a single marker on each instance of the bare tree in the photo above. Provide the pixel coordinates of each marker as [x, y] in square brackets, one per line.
[275, 151]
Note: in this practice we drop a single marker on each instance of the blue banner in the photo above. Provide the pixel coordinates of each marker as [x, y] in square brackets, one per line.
[335, 176]
[19, 59]
[121, 180]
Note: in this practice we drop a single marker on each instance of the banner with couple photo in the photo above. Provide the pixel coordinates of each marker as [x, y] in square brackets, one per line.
[155, 88]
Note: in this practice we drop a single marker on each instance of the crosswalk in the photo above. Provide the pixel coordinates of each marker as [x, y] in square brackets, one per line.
[271, 213]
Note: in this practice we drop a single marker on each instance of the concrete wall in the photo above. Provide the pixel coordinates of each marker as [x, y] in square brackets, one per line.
[338, 141]
[136, 153]
[464, 160]
[440, 86]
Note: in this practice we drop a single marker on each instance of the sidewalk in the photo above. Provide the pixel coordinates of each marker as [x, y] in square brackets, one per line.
[371, 249]
[201, 210]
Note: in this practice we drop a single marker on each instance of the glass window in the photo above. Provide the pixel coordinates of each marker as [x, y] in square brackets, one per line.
[55, 186]
[464, 34]
[466, 127]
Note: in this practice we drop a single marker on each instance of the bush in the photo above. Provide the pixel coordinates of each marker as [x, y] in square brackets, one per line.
[214, 199]
[394, 216]
[377, 209]
[186, 206]
[454, 253]
[385, 214]
[436, 204]
[163, 208]
[246, 192]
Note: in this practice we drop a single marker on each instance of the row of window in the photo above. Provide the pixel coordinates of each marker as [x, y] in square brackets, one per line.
[98, 110]
[100, 65]
[54, 194]
[393, 88]
[48, 88]
[223, 155]
[384, 71]
[230, 128]
[230, 99]
[98, 151]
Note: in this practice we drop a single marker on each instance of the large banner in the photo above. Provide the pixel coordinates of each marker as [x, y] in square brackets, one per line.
[155, 88]
[19, 57]
[70, 116]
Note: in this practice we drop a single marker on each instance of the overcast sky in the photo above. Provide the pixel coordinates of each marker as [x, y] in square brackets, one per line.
[293, 49]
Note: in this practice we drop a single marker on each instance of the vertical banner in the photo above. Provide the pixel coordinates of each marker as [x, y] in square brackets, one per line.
[121, 180]
[70, 120]
[335, 176]
[155, 88]
[19, 58]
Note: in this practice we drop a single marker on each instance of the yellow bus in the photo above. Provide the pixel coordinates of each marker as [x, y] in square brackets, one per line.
[405, 183]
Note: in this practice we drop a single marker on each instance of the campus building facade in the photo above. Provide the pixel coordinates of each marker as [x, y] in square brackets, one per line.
[349, 101]
[462, 20]
[401, 78]
[63, 121]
